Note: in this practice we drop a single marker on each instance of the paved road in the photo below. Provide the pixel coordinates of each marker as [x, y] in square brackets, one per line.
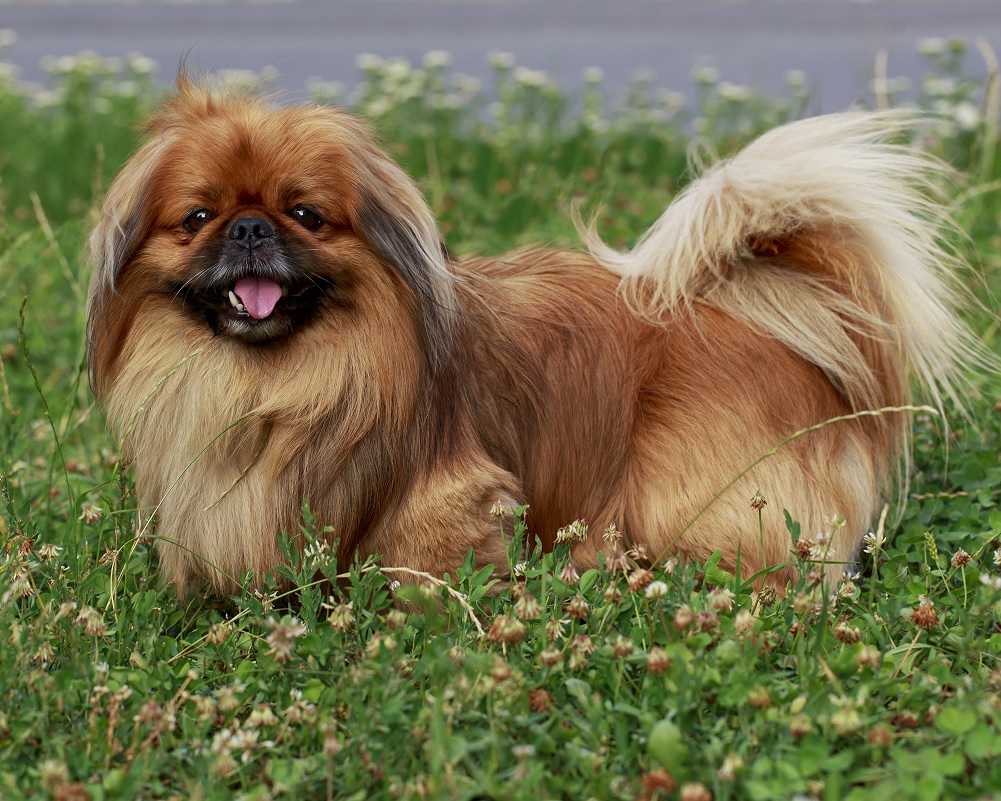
[749, 41]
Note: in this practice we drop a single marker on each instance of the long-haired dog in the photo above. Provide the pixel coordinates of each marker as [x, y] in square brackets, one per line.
[273, 318]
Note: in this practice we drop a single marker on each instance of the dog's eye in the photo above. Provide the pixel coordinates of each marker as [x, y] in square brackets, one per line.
[307, 218]
[195, 221]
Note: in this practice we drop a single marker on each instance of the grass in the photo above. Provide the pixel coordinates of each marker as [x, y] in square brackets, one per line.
[614, 684]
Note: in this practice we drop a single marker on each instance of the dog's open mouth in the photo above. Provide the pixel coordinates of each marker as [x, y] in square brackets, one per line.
[256, 296]
[255, 308]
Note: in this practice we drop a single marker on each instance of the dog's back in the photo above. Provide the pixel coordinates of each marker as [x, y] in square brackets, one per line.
[801, 281]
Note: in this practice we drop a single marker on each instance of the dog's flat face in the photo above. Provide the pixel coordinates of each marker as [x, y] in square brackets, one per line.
[254, 222]
[246, 232]
[250, 224]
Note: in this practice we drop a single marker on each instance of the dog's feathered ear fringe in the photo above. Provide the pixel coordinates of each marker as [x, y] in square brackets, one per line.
[123, 225]
[393, 217]
[125, 221]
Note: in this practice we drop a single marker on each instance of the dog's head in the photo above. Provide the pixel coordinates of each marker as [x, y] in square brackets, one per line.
[255, 222]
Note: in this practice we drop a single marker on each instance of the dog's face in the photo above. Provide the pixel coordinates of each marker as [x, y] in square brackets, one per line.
[254, 222]
[244, 233]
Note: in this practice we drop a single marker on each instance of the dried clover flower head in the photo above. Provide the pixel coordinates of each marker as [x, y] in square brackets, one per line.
[847, 633]
[720, 599]
[925, 617]
[575, 532]
[550, 656]
[577, 607]
[612, 535]
[683, 618]
[528, 607]
[506, 629]
[569, 574]
[695, 791]
[657, 660]
[623, 647]
[639, 579]
[90, 513]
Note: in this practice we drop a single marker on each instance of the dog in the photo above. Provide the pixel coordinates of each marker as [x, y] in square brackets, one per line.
[273, 319]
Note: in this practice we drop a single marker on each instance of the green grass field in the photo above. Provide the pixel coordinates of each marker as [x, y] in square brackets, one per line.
[601, 686]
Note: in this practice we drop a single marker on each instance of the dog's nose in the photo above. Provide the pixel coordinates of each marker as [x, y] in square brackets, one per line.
[250, 231]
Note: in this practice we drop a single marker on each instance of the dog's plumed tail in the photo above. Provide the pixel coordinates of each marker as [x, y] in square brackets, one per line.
[826, 235]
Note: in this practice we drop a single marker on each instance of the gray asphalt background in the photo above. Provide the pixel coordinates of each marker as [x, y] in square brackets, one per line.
[753, 42]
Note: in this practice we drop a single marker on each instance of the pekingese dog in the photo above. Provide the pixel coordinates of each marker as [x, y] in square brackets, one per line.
[273, 318]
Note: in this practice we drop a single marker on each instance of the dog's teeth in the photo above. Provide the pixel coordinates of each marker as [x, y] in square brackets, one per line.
[233, 299]
[240, 307]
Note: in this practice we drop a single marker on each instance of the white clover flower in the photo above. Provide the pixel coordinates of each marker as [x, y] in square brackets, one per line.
[467, 84]
[656, 589]
[705, 76]
[237, 79]
[368, 62]
[720, 599]
[967, 115]
[993, 582]
[735, 93]
[795, 78]
[594, 75]
[821, 553]
[127, 89]
[530, 78]
[48, 551]
[523, 751]
[670, 99]
[90, 513]
[938, 86]
[997, 557]
[873, 542]
[139, 64]
[324, 90]
[398, 69]
[379, 107]
[931, 46]
[315, 549]
[575, 532]
[437, 59]
[58, 66]
[500, 59]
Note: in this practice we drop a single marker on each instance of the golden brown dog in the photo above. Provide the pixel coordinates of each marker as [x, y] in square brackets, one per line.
[273, 318]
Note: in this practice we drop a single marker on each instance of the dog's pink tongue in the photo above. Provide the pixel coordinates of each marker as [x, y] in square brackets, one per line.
[258, 295]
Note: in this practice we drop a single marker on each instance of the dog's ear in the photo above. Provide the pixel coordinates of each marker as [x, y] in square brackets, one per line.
[124, 224]
[394, 219]
[125, 221]
[391, 230]
[125, 216]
